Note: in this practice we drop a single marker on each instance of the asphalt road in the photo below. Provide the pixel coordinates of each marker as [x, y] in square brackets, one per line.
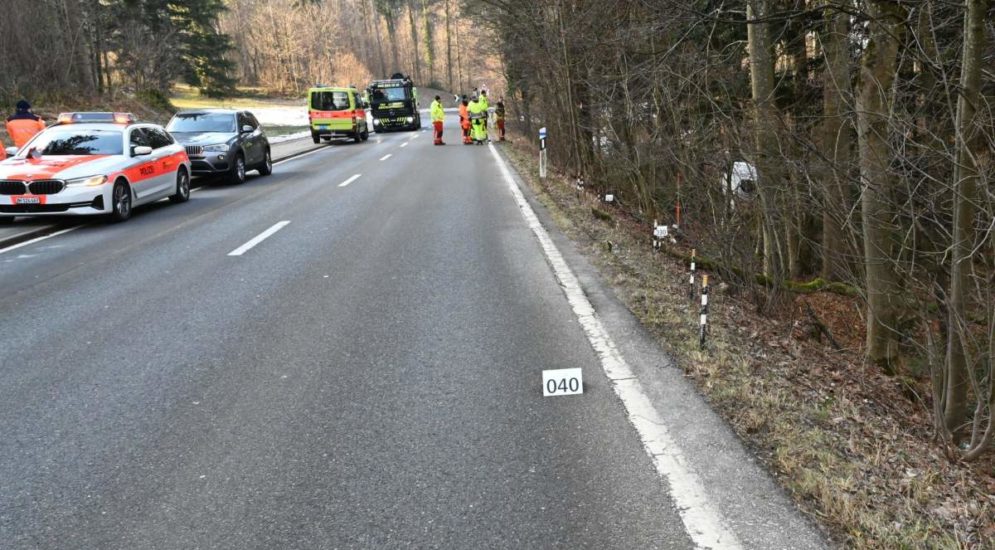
[366, 376]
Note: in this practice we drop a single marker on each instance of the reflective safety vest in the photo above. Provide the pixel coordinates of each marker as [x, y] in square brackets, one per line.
[438, 114]
[477, 111]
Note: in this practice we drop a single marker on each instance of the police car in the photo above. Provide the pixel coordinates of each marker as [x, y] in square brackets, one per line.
[93, 164]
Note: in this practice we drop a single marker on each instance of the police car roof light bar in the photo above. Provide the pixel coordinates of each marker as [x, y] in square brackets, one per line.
[79, 117]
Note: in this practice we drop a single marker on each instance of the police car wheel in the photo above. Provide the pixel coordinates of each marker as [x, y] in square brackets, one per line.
[182, 187]
[120, 202]
[266, 168]
[237, 175]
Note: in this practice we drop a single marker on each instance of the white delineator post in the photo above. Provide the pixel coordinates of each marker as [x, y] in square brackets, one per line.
[704, 312]
[542, 152]
[691, 280]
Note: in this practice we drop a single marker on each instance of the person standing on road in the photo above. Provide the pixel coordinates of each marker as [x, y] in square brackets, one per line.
[485, 105]
[499, 117]
[477, 117]
[464, 121]
[23, 124]
[438, 116]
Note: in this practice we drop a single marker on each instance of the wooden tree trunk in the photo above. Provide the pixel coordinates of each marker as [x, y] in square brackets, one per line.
[392, 36]
[876, 95]
[429, 40]
[415, 50]
[449, 50]
[770, 175]
[372, 23]
[834, 142]
[965, 187]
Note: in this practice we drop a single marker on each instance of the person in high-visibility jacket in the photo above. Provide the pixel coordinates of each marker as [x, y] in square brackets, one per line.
[438, 116]
[477, 117]
[486, 106]
[23, 124]
[464, 120]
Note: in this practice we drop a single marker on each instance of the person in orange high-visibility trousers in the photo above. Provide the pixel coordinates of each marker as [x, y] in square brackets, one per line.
[499, 117]
[23, 124]
[464, 121]
[438, 116]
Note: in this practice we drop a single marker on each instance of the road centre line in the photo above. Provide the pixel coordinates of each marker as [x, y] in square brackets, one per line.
[701, 519]
[38, 239]
[405, 144]
[385, 157]
[350, 180]
[258, 239]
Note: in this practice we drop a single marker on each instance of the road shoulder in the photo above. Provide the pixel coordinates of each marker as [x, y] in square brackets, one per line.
[751, 504]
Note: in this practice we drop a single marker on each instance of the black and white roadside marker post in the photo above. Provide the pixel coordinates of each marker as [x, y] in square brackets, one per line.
[542, 152]
[691, 289]
[704, 312]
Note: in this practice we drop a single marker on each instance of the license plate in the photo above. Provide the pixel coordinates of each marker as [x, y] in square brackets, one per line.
[27, 200]
[323, 126]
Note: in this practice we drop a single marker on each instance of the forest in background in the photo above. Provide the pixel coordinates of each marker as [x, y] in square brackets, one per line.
[870, 127]
[141, 48]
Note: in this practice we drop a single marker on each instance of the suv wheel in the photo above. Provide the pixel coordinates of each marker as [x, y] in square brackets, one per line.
[266, 168]
[237, 175]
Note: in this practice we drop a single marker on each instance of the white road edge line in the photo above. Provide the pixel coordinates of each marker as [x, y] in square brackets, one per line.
[385, 157]
[350, 180]
[258, 239]
[38, 239]
[701, 519]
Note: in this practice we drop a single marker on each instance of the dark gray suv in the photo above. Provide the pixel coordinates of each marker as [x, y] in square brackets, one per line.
[222, 141]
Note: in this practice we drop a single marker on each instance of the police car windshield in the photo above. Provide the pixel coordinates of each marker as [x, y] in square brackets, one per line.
[200, 123]
[330, 101]
[71, 141]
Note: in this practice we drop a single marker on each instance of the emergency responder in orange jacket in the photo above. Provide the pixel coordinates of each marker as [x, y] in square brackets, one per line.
[23, 124]
[464, 121]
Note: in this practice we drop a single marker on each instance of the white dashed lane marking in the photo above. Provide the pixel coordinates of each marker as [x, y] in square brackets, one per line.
[350, 180]
[258, 239]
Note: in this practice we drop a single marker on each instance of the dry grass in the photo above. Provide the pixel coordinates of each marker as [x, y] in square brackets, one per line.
[845, 441]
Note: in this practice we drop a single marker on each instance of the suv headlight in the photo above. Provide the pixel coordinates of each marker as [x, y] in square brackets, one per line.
[89, 181]
[218, 148]
[410, 119]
